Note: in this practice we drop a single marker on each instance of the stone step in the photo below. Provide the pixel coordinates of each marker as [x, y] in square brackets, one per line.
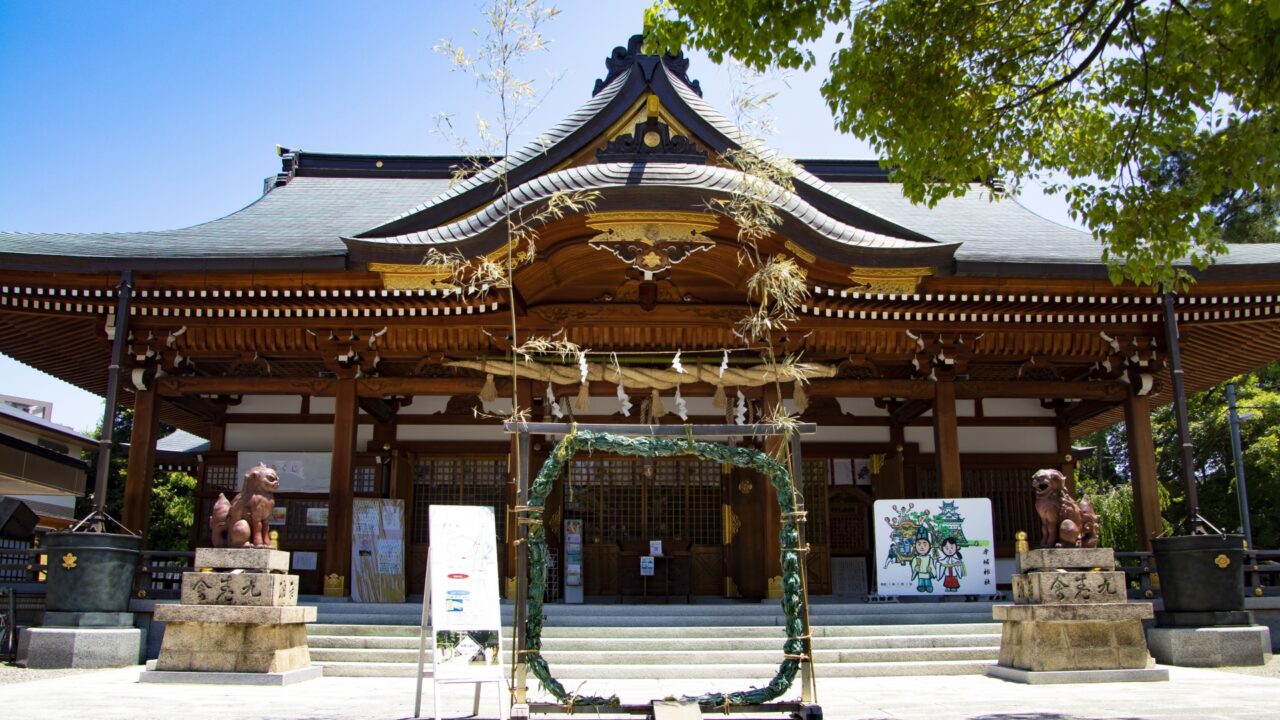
[606, 644]
[753, 675]
[948, 629]
[684, 620]
[635, 658]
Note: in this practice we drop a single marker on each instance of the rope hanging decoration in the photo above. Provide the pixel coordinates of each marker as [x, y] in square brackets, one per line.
[793, 600]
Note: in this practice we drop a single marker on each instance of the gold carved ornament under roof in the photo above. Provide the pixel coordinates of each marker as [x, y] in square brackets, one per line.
[649, 241]
[426, 276]
[887, 281]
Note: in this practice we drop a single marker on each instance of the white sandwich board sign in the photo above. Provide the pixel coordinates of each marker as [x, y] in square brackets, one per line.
[461, 603]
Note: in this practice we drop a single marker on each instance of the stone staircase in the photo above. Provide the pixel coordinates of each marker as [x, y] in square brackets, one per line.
[712, 640]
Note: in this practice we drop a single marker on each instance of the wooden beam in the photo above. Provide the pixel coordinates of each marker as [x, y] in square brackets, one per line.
[908, 411]
[176, 386]
[380, 409]
[142, 463]
[1113, 390]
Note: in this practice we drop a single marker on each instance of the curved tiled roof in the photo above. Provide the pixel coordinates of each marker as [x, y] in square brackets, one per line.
[650, 176]
[295, 224]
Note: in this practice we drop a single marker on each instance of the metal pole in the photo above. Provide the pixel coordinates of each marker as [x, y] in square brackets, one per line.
[124, 292]
[1243, 494]
[1194, 525]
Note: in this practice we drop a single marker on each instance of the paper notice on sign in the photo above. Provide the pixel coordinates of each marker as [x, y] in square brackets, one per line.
[318, 516]
[304, 560]
[464, 568]
[366, 521]
[655, 548]
[390, 559]
[646, 566]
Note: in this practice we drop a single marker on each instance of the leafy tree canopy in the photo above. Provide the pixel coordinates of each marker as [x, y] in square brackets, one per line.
[1100, 92]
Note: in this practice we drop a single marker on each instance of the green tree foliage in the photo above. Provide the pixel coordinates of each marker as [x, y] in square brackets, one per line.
[172, 495]
[1099, 92]
[1104, 476]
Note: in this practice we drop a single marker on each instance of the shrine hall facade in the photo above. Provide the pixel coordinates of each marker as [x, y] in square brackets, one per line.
[955, 350]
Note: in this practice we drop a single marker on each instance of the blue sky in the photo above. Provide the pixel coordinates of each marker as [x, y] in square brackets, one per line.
[152, 115]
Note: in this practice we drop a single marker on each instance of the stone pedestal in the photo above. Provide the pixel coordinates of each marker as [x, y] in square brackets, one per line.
[1072, 622]
[1211, 646]
[79, 647]
[239, 623]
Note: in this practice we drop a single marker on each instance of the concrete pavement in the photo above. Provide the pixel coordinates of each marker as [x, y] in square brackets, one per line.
[1190, 694]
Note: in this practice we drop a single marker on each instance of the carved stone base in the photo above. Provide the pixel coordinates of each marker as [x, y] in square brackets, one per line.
[1070, 587]
[246, 589]
[233, 647]
[260, 559]
[1048, 638]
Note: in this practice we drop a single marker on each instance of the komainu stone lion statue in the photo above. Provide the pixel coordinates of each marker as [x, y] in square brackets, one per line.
[1063, 521]
[245, 521]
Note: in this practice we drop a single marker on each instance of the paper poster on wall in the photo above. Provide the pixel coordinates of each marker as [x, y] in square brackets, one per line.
[935, 547]
[862, 471]
[279, 515]
[842, 471]
[304, 560]
[646, 566]
[377, 550]
[299, 472]
[318, 516]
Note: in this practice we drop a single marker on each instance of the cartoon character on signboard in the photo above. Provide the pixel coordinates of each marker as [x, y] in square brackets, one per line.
[923, 570]
[951, 564]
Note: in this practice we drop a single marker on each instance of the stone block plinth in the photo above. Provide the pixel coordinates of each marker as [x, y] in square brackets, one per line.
[239, 627]
[225, 588]
[231, 614]
[233, 647]
[259, 559]
[48, 647]
[1066, 559]
[1069, 587]
[1069, 637]
[1211, 646]
[1072, 622]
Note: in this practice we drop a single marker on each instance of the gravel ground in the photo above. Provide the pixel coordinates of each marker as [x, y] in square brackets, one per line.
[10, 673]
[1271, 669]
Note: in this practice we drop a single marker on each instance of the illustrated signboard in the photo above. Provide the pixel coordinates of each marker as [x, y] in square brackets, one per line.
[377, 550]
[934, 547]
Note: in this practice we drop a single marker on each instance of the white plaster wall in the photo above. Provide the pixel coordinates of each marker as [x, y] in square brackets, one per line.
[279, 438]
[848, 434]
[1014, 407]
[322, 405]
[464, 433]
[425, 405]
[243, 437]
[267, 404]
[923, 437]
[1007, 440]
[863, 407]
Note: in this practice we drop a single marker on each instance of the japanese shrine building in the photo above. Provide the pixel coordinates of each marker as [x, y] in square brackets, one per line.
[957, 349]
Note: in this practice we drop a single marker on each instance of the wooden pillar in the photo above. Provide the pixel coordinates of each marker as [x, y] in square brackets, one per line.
[1142, 468]
[142, 463]
[890, 482]
[1066, 460]
[774, 445]
[946, 438]
[337, 544]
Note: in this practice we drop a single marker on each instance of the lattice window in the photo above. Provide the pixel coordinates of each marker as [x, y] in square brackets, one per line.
[221, 477]
[816, 472]
[364, 480]
[458, 481]
[644, 498]
[296, 528]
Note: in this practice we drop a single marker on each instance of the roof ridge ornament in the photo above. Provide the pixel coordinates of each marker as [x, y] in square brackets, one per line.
[623, 58]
